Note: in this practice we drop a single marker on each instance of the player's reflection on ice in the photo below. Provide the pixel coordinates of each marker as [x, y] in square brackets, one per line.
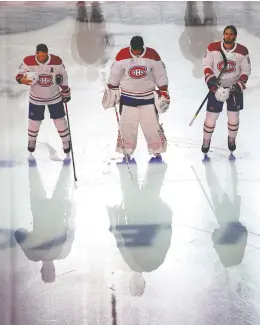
[197, 34]
[230, 238]
[53, 227]
[142, 224]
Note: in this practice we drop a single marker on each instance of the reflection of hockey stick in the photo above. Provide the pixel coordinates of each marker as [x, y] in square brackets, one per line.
[114, 311]
[204, 192]
[123, 143]
[202, 104]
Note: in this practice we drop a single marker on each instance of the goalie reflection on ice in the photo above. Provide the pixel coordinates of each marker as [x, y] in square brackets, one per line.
[141, 224]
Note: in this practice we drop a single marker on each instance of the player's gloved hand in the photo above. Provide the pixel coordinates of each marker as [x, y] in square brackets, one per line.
[58, 79]
[65, 93]
[25, 81]
[237, 88]
[212, 82]
[162, 103]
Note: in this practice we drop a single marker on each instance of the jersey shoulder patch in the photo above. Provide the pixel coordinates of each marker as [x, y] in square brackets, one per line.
[215, 46]
[151, 54]
[55, 60]
[30, 60]
[241, 49]
[124, 54]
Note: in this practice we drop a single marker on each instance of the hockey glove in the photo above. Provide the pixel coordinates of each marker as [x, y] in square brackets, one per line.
[237, 88]
[58, 79]
[111, 96]
[212, 82]
[65, 93]
[162, 101]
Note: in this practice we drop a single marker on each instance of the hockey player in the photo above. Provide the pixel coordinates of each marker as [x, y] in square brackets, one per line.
[229, 88]
[137, 70]
[46, 75]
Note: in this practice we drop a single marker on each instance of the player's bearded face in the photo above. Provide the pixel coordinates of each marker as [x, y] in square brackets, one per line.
[42, 56]
[229, 37]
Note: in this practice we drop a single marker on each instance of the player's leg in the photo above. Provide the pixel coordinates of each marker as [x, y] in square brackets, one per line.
[234, 105]
[57, 113]
[129, 121]
[153, 132]
[36, 115]
[214, 108]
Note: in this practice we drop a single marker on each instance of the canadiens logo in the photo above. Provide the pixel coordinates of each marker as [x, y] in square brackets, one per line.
[231, 66]
[138, 72]
[45, 80]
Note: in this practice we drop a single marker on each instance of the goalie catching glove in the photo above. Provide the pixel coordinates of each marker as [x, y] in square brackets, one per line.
[161, 100]
[111, 96]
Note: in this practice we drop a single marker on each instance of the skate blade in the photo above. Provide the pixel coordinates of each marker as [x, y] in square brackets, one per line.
[206, 158]
[232, 157]
[32, 161]
[67, 160]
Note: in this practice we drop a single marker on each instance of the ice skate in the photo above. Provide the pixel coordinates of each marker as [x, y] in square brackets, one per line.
[67, 147]
[156, 159]
[205, 146]
[231, 147]
[125, 159]
[231, 144]
[31, 145]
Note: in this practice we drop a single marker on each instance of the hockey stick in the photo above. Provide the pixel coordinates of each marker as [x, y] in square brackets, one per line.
[123, 144]
[72, 154]
[202, 104]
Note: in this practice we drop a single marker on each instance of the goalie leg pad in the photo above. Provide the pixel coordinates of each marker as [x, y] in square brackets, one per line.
[129, 121]
[152, 130]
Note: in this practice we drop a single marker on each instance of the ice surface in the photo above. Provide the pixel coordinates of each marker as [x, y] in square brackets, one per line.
[178, 244]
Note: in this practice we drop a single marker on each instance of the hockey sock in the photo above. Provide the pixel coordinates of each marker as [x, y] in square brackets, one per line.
[62, 127]
[209, 124]
[233, 124]
[33, 129]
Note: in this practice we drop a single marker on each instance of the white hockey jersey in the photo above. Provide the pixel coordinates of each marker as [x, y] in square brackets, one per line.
[238, 68]
[45, 91]
[138, 75]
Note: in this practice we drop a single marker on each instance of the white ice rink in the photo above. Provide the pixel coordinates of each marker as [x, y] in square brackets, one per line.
[176, 245]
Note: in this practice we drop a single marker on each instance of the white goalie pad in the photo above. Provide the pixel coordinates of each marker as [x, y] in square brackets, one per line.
[152, 130]
[222, 94]
[32, 76]
[161, 103]
[111, 97]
